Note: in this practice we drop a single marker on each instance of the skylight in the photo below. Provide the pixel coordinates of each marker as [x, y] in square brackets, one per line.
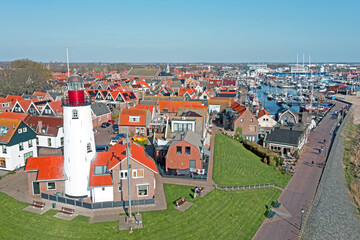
[4, 130]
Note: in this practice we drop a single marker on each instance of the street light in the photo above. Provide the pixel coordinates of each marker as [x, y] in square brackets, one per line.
[302, 213]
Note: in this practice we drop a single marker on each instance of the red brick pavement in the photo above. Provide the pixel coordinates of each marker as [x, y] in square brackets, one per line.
[300, 191]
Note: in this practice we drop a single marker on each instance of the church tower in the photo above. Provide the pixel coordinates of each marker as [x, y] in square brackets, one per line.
[79, 142]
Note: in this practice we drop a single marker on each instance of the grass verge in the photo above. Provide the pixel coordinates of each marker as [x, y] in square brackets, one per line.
[220, 214]
[234, 165]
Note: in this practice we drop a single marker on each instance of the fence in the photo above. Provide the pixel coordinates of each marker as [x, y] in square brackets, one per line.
[245, 187]
[98, 205]
[191, 176]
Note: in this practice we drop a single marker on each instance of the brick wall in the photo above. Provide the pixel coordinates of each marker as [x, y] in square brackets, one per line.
[182, 161]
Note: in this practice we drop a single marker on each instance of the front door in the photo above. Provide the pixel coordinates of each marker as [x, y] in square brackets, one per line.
[36, 188]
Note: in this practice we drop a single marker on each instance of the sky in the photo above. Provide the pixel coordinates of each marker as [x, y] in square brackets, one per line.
[180, 31]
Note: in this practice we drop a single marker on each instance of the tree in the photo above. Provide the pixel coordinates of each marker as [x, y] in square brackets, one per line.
[24, 76]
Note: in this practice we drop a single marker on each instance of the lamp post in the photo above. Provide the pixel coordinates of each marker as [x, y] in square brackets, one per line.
[302, 214]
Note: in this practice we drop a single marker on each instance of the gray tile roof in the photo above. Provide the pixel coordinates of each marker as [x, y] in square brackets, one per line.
[284, 136]
[189, 137]
[99, 109]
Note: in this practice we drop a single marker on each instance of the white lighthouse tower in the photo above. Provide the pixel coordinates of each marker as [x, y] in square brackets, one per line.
[79, 143]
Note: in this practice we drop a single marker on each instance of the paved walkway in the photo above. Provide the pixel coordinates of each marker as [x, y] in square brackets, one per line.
[300, 191]
[333, 215]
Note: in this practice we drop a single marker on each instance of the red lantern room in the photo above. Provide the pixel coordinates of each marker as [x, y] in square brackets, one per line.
[75, 90]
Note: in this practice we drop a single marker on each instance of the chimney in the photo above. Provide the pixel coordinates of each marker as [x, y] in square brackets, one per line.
[39, 126]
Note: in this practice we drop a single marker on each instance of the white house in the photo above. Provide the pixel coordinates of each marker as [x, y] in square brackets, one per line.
[50, 133]
[266, 122]
[17, 143]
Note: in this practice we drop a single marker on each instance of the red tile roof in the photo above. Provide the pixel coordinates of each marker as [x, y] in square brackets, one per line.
[49, 167]
[102, 159]
[137, 154]
[173, 106]
[56, 107]
[115, 156]
[14, 115]
[262, 112]
[50, 124]
[13, 98]
[126, 113]
[146, 107]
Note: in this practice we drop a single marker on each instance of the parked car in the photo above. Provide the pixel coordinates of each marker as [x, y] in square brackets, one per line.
[115, 128]
[114, 141]
[120, 136]
[111, 121]
[105, 124]
[139, 139]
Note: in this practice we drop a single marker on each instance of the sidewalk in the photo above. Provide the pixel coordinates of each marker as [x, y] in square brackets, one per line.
[300, 191]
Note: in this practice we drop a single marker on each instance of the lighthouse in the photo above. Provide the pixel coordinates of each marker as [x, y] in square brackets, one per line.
[79, 143]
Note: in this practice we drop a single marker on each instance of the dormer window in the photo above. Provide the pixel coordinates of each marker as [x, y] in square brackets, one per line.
[75, 114]
[134, 119]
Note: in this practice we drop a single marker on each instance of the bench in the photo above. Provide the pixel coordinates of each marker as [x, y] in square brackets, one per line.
[38, 204]
[277, 204]
[270, 214]
[180, 201]
[66, 210]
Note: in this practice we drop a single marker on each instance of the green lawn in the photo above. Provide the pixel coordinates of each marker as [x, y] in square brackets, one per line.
[234, 165]
[220, 214]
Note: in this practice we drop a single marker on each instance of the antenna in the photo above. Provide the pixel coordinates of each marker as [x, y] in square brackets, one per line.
[67, 59]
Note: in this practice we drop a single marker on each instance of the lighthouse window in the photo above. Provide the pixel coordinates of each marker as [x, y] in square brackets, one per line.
[88, 147]
[75, 114]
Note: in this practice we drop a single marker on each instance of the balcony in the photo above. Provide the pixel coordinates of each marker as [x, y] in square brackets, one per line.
[76, 102]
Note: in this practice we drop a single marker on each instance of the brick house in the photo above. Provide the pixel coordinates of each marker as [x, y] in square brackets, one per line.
[185, 153]
[109, 174]
[240, 116]
[136, 121]
[100, 113]
[45, 175]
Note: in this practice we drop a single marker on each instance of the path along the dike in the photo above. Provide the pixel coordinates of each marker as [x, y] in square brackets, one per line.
[300, 192]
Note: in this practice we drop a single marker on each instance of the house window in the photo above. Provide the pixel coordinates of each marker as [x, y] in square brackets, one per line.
[120, 189]
[21, 146]
[138, 173]
[30, 143]
[178, 150]
[165, 110]
[100, 170]
[4, 149]
[27, 155]
[49, 142]
[252, 128]
[88, 147]
[2, 162]
[62, 141]
[134, 119]
[187, 150]
[192, 164]
[37, 141]
[51, 186]
[251, 120]
[75, 114]
[241, 119]
[143, 190]
[19, 130]
[123, 174]
[24, 129]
